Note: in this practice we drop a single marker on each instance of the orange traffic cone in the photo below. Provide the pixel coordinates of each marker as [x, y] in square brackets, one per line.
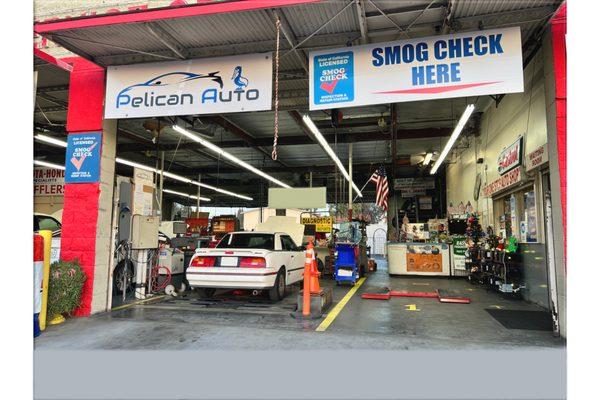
[310, 252]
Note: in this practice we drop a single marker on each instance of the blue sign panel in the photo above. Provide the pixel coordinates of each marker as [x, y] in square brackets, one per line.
[334, 78]
[82, 161]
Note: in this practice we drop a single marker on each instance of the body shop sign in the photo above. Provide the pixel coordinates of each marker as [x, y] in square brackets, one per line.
[82, 161]
[201, 86]
[510, 157]
[504, 182]
[458, 65]
[48, 181]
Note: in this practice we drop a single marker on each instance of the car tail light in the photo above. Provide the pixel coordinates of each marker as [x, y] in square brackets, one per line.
[253, 262]
[202, 261]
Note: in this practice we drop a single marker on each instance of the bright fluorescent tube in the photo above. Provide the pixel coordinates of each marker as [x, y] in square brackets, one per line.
[204, 185]
[47, 164]
[51, 140]
[459, 127]
[57, 142]
[315, 131]
[228, 156]
[427, 159]
[191, 196]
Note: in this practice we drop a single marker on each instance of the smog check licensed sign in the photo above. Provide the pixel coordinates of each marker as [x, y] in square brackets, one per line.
[459, 65]
[200, 86]
[82, 161]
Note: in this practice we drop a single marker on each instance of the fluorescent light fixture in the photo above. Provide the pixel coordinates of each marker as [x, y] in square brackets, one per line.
[228, 156]
[50, 140]
[457, 130]
[321, 139]
[191, 196]
[57, 142]
[427, 159]
[48, 164]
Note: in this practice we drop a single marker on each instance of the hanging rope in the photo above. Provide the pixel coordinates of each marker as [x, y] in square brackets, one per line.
[276, 133]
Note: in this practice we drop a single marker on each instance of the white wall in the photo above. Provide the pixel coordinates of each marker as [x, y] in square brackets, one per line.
[252, 217]
[500, 127]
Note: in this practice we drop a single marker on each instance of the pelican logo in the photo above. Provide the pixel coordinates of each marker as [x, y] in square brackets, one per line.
[240, 93]
[152, 93]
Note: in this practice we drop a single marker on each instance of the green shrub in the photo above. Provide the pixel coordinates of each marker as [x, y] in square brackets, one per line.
[64, 289]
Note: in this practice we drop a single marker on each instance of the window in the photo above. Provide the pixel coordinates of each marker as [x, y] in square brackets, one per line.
[46, 224]
[247, 241]
[287, 243]
[516, 215]
[530, 217]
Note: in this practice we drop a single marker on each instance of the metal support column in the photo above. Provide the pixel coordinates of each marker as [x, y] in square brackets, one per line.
[160, 184]
[394, 161]
[350, 149]
[198, 199]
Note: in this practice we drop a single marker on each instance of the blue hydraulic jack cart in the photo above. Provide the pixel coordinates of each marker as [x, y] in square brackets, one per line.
[346, 268]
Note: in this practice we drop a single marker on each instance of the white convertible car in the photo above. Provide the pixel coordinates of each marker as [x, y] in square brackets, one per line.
[248, 260]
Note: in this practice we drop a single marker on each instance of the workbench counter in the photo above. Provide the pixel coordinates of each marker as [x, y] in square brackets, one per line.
[429, 259]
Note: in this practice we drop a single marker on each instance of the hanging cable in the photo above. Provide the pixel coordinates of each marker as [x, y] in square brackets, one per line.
[276, 130]
[46, 117]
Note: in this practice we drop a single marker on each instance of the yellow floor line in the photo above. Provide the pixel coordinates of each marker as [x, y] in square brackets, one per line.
[339, 306]
[135, 303]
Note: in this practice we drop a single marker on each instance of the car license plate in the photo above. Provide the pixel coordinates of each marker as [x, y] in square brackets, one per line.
[229, 261]
[344, 272]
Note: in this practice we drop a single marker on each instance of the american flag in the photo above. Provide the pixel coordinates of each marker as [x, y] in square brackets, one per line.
[380, 179]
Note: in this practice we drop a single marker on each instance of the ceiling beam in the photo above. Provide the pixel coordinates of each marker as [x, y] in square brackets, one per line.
[242, 134]
[354, 137]
[53, 100]
[329, 168]
[298, 119]
[389, 18]
[165, 38]
[362, 21]
[38, 110]
[287, 31]
[50, 89]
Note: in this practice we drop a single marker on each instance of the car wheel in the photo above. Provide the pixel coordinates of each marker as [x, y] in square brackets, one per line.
[123, 277]
[277, 292]
[206, 293]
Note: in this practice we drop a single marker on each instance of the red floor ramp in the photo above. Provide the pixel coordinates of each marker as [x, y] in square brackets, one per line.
[376, 293]
[446, 296]
[425, 295]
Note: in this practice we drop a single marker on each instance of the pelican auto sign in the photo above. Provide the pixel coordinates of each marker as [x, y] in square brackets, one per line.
[458, 65]
[201, 86]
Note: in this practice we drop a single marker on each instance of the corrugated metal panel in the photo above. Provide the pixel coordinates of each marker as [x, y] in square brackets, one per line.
[222, 29]
[307, 18]
[468, 8]
[262, 124]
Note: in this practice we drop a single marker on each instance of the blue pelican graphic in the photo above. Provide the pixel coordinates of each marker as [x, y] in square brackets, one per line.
[172, 78]
[238, 79]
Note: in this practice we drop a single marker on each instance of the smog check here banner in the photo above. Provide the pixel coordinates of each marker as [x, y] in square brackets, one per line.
[200, 86]
[458, 65]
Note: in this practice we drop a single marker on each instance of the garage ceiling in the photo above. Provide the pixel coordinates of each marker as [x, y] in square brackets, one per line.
[422, 126]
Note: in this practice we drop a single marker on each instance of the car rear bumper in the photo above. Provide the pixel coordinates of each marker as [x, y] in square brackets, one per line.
[231, 278]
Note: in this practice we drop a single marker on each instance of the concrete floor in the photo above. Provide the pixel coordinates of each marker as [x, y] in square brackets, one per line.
[234, 324]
